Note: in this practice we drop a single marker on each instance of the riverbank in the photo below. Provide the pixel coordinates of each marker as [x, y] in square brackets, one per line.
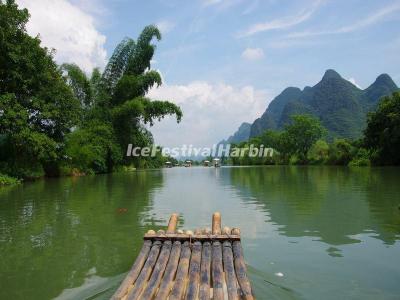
[6, 180]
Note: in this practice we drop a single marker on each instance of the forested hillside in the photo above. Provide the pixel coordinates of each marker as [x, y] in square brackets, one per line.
[340, 105]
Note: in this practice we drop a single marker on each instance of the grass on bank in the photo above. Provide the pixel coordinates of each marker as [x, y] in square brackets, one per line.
[8, 180]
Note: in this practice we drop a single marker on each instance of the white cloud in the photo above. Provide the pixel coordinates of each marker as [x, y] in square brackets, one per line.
[92, 7]
[165, 26]
[253, 53]
[282, 23]
[211, 112]
[68, 29]
[361, 24]
[253, 5]
[353, 81]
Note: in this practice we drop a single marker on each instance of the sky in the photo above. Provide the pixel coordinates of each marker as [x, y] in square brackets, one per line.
[223, 61]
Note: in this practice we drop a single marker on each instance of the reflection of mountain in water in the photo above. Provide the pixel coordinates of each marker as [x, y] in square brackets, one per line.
[55, 231]
[333, 204]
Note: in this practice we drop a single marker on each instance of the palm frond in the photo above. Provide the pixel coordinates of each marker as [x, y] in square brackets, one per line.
[117, 64]
[144, 51]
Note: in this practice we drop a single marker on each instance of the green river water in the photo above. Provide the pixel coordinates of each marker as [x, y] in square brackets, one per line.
[307, 232]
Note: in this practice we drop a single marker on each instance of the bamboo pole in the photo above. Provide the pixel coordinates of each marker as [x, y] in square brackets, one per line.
[133, 273]
[217, 271]
[173, 221]
[194, 272]
[241, 272]
[230, 276]
[197, 231]
[146, 271]
[204, 292]
[167, 281]
[158, 272]
[235, 231]
[181, 274]
[190, 236]
[226, 230]
[216, 223]
[191, 265]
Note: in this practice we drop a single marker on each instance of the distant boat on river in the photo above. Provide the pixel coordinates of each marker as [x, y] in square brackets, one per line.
[216, 162]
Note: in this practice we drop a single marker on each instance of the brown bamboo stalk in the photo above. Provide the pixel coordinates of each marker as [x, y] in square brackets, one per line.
[133, 273]
[230, 276]
[217, 271]
[194, 272]
[167, 281]
[216, 223]
[241, 272]
[173, 221]
[146, 271]
[158, 272]
[197, 231]
[191, 236]
[181, 274]
[204, 292]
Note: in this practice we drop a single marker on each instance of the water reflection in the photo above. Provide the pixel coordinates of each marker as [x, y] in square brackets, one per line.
[331, 233]
[308, 232]
[56, 232]
[332, 204]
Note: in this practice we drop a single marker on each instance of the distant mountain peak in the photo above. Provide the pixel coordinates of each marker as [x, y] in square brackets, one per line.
[241, 135]
[384, 79]
[331, 74]
[382, 86]
[291, 89]
[340, 105]
[244, 125]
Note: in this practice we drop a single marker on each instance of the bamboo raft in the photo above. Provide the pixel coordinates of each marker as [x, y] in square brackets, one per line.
[173, 264]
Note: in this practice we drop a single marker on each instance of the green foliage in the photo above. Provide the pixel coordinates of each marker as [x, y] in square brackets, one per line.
[338, 104]
[341, 152]
[319, 152]
[8, 180]
[57, 120]
[93, 149]
[116, 66]
[300, 135]
[80, 84]
[292, 144]
[301, 142]
[117, 98]
[382, 135]
[361, 159]
[37, 107]
[271, 139]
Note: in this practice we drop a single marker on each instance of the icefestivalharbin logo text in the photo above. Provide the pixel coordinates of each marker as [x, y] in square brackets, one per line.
[219, 150]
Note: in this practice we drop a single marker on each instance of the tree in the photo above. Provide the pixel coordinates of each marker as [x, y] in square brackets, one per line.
[117, 98]
[382, 135]
[271, 138]
[341, 152]
[319, 152]
[80, 84]
[37, 107]
[301, 134]
[92, 148]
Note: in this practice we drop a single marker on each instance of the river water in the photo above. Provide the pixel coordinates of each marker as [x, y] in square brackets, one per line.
[307, 232]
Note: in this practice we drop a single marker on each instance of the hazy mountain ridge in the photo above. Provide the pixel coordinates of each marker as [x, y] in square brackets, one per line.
[341, 106]
[240, 135]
